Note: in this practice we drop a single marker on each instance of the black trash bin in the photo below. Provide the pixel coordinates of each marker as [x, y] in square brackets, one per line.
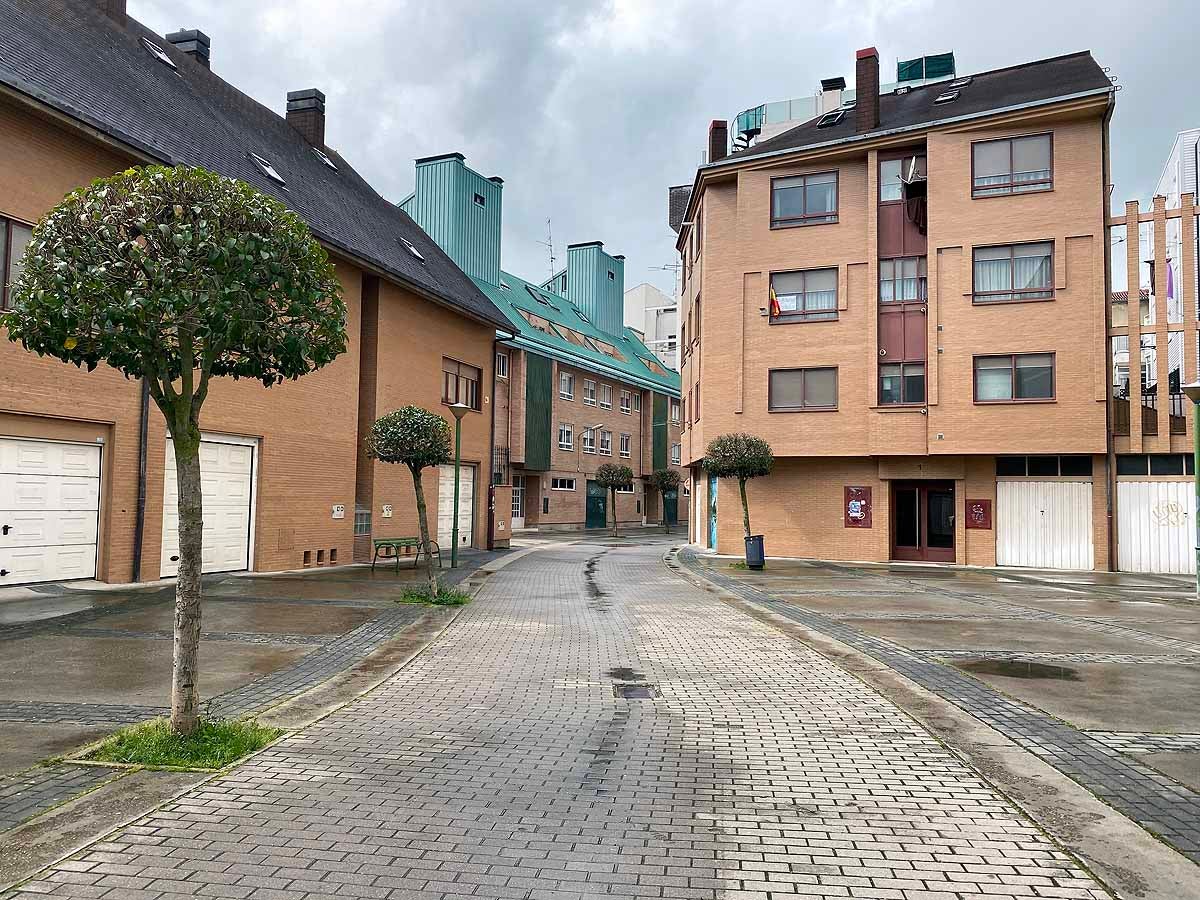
[755, 553]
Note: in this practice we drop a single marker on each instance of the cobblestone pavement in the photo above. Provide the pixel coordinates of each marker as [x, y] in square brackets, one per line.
[38, 789]
[593, 726]
[1105, 764]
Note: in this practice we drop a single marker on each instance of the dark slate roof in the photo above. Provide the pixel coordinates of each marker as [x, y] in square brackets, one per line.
[1044, 80]
[678, 198]
[67, 55]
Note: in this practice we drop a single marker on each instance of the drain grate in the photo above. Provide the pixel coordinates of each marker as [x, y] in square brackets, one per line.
[635, 691]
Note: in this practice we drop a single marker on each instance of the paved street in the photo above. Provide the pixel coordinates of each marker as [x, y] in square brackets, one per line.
[594, 725]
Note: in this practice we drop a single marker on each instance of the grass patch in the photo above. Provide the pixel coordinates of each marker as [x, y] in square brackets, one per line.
[214, 745]
[738, 565]
[446, 596]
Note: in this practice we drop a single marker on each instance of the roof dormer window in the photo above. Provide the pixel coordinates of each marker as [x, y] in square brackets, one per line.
[159, 53]
[266, 168]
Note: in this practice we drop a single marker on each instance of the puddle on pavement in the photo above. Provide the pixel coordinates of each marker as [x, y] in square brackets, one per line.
[1018, 668]
[597, 597]
[624, 673]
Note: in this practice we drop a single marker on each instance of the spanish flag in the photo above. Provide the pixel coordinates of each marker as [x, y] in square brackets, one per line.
[774, 304]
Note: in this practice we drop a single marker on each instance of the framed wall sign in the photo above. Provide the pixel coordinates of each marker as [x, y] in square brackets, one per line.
[857, 507]
[979, 514]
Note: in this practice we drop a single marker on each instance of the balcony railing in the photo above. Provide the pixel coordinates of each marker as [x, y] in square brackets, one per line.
[1179, 413]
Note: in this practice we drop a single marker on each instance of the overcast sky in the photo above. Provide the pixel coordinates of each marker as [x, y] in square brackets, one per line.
[590, 110]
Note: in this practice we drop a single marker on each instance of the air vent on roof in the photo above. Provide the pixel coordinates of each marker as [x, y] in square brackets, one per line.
[411, 249]
[961, 82]
[946, 97]
[831, 118]
[159, 53]
[325, 159]
[266, 168]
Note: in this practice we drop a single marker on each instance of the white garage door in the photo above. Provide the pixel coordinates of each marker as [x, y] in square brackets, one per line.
[227, 480]
[1044, 524]
[1154, 527]
[466, 506]
[49, 510]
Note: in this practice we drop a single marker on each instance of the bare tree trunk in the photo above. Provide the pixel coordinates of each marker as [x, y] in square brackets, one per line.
[423, 522]
[613, 493]
[745, 506]
[185, 691]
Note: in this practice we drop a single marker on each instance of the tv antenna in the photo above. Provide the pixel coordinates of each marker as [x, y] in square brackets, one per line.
[548, 243]
[673, 268]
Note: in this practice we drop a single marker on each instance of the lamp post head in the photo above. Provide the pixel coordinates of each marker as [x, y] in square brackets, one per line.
[1193, 391]
[459, 410]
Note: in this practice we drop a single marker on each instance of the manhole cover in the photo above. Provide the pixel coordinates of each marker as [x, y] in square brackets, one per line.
[635, 691]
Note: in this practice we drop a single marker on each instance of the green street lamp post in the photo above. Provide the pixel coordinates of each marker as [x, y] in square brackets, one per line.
[459, 410]
[1193, 393]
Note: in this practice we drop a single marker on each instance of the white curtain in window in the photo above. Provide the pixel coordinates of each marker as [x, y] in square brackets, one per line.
[820, 290]
[1031, 266]
[993, 269]
[993, 378]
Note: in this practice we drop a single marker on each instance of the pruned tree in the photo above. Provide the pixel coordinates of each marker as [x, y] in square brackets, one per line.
[613, 476]
[177, 276]
[665, 480]
[419, 439]
[740, 456]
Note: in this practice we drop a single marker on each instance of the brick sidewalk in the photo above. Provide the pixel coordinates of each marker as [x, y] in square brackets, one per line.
[503, 762]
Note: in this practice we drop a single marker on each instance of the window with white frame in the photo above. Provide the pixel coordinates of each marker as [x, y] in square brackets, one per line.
[605, 443]
[562, 484]
[14, 237]
[626, 445]
[625, 488]
[637, 403]
[565, 438]
[626, 402]
[676, 454]
[589, 440]
[566, 386]
[589, 392]
[501, 365]
[606, 396]
[675, 411]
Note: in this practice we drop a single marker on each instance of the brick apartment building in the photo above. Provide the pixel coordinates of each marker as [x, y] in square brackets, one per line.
[575, 388]
[904, 294]
[85, 485]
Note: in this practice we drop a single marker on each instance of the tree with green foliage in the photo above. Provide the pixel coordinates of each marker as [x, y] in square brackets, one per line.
[176, 276]
[740, 456]
[612, 476]
[419, 439]
[665, 480]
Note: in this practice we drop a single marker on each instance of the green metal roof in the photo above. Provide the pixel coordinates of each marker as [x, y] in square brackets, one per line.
[635, 368]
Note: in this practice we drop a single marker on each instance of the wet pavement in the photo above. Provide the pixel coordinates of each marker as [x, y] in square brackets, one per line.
[594, 725]
[1096, 672]
[77, 663]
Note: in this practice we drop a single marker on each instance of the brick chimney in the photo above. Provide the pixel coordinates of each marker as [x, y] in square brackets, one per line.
[306, 113]
[866, 90]
[192, 42]
[718, 140]
[114, 9]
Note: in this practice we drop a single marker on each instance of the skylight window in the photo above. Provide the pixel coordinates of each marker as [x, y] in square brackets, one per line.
[504, 285]
[961, 82]
[408, 245]
[159, 53]
[831, 118]
[946, 97]
[266, 168]
[539, 298]
[849, 104]
[579, 312]
[325, 159]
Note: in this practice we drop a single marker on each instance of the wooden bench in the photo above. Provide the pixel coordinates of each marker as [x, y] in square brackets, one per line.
[400, 548]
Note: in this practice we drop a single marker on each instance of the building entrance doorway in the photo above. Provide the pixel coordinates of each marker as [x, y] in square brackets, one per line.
[923, 521]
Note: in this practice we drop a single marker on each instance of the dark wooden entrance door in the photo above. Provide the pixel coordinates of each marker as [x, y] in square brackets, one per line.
[597, 506]
[670, 501]
[923, 520]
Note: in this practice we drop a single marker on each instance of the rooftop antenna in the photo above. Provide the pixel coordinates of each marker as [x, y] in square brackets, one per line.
[548, 243]
[673, 268]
